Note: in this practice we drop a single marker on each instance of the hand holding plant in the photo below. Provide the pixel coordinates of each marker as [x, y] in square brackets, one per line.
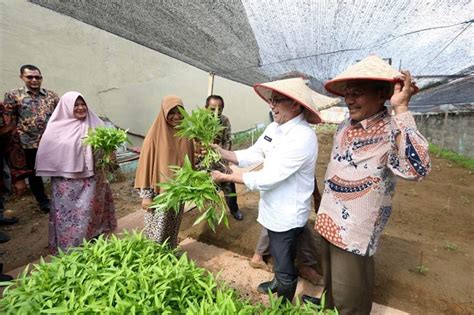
[189, 185]
[104, 141]
[202, 126]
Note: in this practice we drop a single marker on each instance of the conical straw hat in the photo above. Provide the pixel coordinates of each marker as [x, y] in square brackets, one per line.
[371, 68]
[323, 102]
[297, 90]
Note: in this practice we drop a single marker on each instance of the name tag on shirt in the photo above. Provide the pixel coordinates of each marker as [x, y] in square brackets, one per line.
[267, 138]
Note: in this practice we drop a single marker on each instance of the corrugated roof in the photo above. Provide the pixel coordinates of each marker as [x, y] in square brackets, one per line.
[454, 95]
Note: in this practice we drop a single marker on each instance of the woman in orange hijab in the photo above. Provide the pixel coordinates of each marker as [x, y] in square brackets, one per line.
[160, 150]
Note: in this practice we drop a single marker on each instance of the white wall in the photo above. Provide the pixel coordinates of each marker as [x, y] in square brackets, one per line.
[118, 78]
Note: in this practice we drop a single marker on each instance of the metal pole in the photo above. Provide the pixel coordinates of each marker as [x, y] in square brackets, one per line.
[210, 86]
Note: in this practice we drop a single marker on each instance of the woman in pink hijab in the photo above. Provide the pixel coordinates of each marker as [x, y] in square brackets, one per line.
[82, 204]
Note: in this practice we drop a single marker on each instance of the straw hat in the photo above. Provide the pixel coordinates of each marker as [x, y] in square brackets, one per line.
[297, 90]
[324, 102]
[371, 68]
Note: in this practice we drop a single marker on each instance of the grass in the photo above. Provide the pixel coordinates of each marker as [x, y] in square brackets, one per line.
[457, 158]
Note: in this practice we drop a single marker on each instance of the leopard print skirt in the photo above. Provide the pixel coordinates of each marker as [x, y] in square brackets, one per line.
[161, 226]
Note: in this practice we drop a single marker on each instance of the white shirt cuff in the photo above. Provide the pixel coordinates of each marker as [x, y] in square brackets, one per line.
[250, 180]
[240, 154]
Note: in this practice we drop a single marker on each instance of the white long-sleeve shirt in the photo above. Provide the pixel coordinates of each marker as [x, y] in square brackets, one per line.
[286, 181]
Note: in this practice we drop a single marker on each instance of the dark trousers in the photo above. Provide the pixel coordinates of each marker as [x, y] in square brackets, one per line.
[308, 249]
[36, 183]
[229, 188]
[283, 250]
[348, 280]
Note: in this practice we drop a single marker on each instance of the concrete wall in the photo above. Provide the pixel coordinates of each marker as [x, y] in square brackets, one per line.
[118, 78]
[458, 131]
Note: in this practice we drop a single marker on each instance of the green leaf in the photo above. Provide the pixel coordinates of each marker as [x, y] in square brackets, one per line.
[55, 310]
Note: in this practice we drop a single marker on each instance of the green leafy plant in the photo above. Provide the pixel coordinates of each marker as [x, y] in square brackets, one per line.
[189, 185]
[421, 269]
[203, 126]
[465, 199]
[451, 247]
[278, 306]
[104, 141]
[131, 275]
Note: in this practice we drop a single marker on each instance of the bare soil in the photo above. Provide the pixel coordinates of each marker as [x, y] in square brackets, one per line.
[433, 219]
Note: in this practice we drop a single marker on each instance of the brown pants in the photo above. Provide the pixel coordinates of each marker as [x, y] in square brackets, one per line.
[348, 279]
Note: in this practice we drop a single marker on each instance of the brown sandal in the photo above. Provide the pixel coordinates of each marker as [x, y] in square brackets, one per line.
[259, 265]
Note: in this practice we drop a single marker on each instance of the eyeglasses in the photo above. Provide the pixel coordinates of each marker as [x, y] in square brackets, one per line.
[278, 100]
[31, 77]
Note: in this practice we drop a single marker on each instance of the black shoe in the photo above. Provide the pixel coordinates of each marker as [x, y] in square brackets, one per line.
[287, 290]
[238, 215]
[269, 285]
[8, 221]
[4, 277]
[45, 207]
[4, 238]
[310, 299]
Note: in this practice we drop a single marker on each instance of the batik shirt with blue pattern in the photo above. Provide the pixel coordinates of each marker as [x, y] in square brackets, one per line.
[361, 177]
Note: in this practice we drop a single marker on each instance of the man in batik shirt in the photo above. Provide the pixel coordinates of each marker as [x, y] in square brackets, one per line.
[216, 103]
[33, 105]
[371, 148]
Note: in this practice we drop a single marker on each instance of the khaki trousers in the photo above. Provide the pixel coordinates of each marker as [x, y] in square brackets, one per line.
[348, 280]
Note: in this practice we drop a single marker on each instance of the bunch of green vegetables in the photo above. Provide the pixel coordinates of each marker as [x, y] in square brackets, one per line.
[189, 185]
[104, 141]
[131, 275]
[196, 186]
[203, 126]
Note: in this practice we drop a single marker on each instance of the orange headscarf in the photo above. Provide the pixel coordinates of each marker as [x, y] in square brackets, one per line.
[161, 149]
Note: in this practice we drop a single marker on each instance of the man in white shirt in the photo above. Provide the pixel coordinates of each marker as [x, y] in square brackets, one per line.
[288, 149]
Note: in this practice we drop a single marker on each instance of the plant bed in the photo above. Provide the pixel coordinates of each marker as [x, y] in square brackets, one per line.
[132, 275]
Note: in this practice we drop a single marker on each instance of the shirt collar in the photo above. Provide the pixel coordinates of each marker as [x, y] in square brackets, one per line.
[41, 91]
[290, 123]
[372, 120]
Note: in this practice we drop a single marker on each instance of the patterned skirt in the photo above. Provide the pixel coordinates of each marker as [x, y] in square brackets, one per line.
[81, 209]
[161, 226]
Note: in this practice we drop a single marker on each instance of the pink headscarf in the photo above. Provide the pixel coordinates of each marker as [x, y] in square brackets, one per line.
[61, 151]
